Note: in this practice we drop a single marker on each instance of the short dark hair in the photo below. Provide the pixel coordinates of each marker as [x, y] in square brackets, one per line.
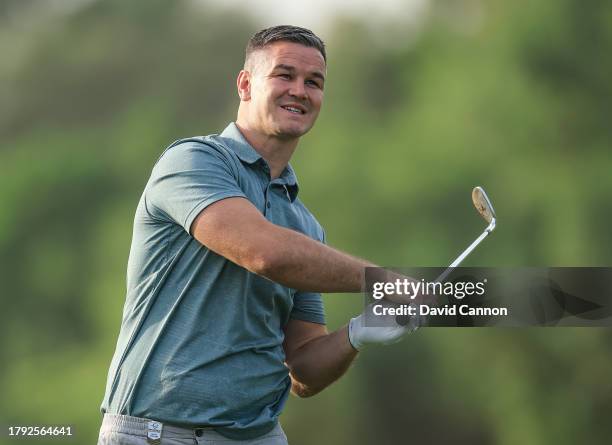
[284, 33]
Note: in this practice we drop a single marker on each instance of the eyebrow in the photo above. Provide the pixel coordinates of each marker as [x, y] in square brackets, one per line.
[291, 69]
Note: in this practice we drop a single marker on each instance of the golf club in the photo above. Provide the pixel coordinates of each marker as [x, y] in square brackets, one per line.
[485, 208]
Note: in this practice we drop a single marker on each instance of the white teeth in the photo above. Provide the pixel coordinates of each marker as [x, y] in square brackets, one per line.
[293, 110]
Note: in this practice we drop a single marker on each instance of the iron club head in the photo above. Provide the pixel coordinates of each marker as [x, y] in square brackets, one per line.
[483, 205]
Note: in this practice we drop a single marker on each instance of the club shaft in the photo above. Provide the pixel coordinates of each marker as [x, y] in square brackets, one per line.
[466, 252]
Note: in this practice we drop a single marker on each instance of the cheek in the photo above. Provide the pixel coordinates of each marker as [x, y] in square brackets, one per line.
[263, 103]
[317, 100]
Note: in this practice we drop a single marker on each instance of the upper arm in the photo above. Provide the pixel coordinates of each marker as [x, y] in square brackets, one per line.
[298, 333]
[235, 229]
[197, 186]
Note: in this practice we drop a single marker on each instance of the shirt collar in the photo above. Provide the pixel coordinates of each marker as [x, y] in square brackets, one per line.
[239, 145]
[237, 142]
[290, 182]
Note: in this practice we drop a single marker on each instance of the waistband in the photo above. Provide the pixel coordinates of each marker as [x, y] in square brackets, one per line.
[152, 429]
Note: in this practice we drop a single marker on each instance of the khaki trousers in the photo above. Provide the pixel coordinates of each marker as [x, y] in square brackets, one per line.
[126, 430]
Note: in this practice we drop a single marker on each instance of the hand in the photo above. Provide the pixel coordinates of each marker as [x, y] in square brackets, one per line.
[392, 332]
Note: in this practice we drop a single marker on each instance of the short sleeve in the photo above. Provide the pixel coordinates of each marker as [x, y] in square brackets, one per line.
[308, 306]
[188, 178]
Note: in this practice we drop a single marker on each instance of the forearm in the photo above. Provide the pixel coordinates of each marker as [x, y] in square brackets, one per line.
[320, 362]
[235, 229]
[299, 262]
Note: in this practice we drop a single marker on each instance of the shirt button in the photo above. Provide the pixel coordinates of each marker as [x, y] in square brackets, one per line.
[268, 205]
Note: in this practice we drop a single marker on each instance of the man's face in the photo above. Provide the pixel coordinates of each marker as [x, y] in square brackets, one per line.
[286, 89]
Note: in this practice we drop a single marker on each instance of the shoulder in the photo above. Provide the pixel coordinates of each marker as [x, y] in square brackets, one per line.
[195, 144]
[190, 152]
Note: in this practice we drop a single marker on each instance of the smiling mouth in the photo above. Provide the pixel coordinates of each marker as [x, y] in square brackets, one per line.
[293, 110]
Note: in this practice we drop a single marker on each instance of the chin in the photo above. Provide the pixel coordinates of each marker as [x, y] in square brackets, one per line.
[292, 134]
[293, 131]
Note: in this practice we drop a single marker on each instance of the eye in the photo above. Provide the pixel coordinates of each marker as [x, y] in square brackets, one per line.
[313, 83]
[284, 76]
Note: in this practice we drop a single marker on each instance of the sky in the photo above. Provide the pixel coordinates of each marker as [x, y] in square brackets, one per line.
[319, 14]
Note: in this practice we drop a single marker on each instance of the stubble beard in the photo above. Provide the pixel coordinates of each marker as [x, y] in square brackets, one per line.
[285, 129]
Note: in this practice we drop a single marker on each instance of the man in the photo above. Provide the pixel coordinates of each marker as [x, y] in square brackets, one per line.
[223, 314]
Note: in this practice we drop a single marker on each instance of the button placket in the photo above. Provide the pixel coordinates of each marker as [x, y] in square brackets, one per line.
[266, 168]
[267, 196]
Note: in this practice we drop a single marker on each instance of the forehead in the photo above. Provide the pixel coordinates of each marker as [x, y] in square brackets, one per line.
[292, 54]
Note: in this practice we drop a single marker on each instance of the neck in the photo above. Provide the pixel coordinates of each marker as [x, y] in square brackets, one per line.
[277, 152]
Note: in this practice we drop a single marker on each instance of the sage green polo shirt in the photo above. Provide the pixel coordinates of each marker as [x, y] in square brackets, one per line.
[201, 337]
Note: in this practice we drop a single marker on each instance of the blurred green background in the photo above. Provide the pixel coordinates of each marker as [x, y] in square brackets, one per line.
[514, 96]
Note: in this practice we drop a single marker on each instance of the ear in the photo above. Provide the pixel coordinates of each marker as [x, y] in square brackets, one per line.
[244, 85]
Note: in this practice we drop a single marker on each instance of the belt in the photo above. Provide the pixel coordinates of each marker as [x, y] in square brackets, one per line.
[153, 429]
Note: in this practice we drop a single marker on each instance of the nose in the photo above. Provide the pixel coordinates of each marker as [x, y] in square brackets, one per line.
[297, 89]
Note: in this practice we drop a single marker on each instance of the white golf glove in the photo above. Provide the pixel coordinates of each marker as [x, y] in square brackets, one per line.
[361, 335]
